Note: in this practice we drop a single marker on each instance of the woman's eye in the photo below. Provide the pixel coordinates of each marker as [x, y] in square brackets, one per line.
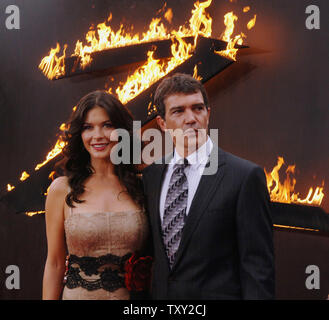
[86, 128]
[108, 125]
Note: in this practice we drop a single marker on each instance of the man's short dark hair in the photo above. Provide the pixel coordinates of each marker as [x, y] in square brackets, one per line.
[178, 83]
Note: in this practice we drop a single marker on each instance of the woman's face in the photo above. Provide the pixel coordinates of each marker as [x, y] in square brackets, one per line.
[96, 134]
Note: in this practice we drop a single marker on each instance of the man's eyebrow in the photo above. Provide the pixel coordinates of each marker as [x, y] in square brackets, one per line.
[177, 107]
[200, 104]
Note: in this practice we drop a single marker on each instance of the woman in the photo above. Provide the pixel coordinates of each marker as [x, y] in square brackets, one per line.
[95, 212]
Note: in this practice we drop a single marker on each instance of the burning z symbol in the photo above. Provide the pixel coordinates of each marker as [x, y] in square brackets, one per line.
[12, 21]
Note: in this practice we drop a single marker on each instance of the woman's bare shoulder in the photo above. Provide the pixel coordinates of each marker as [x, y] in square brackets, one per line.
[55, 201]
[59, 185]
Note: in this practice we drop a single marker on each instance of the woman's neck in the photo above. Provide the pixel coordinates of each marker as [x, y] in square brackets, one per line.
[102, 168]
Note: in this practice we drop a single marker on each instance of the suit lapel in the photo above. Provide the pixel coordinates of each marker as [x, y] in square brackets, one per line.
[207, 186]
[158, 178]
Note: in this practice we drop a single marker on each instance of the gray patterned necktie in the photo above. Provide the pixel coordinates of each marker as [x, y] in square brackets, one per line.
[175, 211]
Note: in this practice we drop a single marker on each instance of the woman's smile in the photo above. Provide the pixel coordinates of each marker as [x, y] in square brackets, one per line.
[100, 146]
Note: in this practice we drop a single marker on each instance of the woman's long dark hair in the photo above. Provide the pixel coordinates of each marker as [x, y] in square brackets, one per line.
[77, 164]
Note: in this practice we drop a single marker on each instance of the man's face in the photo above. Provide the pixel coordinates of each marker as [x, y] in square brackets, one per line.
[186, 118]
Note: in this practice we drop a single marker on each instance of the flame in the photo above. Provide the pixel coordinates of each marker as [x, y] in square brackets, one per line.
[153, 69]
[251, 23]
[24, 176]
[151, 108]
[195, 73]
[63, 126]
[229, 19]
[285, 192]
[169, 15]
[106, 38]
[51, 175]
[230, 51]
[53, 153]
[317, 196]
[53, 66]
[200, 22]
[46, 193]
[32, 213]
[10, 187]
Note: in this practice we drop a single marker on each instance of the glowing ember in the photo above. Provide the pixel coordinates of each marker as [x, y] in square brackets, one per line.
[285, 192]
[46, 193]
[251, 23]
[32, 213]
[51, 175]
[10, 187]
[169, 15]
[63, 127]
[24, 176]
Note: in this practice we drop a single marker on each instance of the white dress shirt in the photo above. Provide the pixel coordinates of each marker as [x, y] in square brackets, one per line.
[197, 162]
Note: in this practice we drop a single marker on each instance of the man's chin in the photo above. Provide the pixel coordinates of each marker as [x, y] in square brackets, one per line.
[191, 145]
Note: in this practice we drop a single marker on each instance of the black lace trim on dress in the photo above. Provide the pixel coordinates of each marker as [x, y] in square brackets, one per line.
[109, 279]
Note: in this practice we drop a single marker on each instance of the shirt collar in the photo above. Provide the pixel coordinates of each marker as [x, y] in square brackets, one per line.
[198, 157]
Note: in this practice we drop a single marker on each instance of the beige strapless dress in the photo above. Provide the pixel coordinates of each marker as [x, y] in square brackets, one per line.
[100, 233]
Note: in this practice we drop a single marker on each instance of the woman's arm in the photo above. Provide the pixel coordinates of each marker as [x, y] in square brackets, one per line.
[55, 264]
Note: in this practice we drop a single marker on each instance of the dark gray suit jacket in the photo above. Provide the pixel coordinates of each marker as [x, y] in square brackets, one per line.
[226, 250]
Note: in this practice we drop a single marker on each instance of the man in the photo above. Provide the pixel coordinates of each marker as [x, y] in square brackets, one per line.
[212, 233]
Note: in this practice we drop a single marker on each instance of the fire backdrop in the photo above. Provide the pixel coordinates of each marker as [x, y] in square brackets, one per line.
[268, 100]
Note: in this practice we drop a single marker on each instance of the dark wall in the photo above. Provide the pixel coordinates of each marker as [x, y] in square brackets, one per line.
[272, 102]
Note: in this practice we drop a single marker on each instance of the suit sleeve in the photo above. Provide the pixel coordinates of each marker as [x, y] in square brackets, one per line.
[255, 238]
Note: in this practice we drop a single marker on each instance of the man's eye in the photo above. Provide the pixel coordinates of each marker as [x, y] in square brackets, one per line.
[177, 111]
